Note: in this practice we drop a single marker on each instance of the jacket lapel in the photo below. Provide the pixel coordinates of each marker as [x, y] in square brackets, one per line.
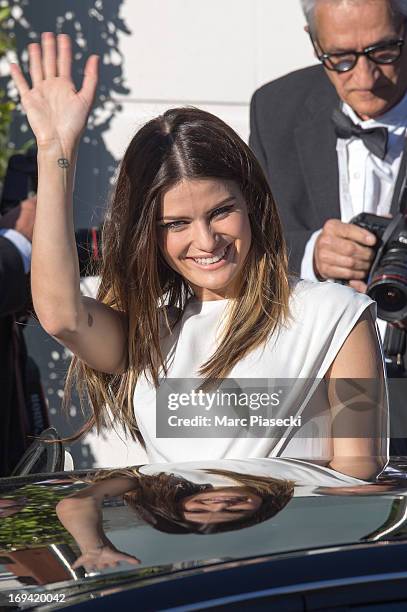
[316, 144]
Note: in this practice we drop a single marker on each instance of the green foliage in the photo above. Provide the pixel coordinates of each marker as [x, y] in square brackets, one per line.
[6, 106]
[6, 115]
[6, 42]
[36, 524]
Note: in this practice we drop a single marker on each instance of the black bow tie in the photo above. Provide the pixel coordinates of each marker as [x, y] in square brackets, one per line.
[374, 139]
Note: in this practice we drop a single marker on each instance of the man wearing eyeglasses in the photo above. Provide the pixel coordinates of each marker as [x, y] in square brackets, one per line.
[331, 138]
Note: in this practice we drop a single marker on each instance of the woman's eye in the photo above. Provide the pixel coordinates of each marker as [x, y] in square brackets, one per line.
[219, 212]
[173, 225]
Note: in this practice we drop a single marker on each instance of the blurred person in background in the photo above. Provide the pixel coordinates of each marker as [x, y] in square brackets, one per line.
[22, 408]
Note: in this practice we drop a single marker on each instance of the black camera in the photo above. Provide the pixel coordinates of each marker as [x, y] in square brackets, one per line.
[387, 279]
[20, 181]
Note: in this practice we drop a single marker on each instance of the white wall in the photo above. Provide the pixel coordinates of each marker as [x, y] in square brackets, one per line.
[212, 54]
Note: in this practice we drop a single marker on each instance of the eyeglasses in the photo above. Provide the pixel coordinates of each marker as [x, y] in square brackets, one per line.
[382, 53]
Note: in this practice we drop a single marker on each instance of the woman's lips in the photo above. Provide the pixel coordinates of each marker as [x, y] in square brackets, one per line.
[213, 266]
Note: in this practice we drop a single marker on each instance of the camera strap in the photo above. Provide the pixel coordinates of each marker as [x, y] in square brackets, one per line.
[394, 345]
[399, 202]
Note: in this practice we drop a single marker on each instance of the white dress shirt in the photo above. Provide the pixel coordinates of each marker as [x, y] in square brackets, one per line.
[366, 183]
[21, 243]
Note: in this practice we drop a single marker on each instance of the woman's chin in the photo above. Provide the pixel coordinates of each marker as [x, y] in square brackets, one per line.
[212, 286]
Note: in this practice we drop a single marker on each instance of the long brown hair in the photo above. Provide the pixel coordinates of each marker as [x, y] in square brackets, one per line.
[183, 143]
[157, 499]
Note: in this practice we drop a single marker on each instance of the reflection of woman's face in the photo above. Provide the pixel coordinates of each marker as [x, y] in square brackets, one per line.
[220, 505]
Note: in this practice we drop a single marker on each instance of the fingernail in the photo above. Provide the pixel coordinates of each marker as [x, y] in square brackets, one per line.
[370, 239]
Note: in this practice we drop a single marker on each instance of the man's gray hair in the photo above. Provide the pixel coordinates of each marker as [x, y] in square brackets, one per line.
[399, 8]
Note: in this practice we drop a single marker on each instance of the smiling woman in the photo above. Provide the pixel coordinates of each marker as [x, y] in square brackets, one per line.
[194, 284]
[216, 238]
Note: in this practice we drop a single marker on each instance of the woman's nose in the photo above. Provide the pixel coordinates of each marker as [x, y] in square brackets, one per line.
[205, 238]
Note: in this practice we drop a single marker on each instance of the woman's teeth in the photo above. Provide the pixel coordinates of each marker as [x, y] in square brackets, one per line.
[211, 260]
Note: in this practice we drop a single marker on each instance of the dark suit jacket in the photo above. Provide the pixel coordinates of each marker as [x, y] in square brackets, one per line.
[13, 298]
[293, 137]
[13, 286]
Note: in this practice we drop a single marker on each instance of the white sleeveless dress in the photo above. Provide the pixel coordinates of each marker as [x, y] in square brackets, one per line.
[322, 316]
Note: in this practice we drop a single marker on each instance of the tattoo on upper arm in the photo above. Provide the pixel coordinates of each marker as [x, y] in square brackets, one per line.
[90, 320]
[63, 162]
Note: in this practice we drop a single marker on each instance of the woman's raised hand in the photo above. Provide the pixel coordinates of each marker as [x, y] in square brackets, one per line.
[57, 113]
[108, 556]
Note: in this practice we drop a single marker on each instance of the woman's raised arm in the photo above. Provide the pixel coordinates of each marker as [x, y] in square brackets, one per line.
[81, 514]
[58, 114]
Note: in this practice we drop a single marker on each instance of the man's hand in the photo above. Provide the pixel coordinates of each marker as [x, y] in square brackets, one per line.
[21, 218]
[344, 251]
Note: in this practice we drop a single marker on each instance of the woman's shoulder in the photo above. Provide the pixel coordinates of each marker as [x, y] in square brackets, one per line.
[325, 307]
[327, 296]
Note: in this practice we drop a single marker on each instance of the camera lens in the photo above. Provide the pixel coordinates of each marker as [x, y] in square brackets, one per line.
[388, 297]
[389, 290]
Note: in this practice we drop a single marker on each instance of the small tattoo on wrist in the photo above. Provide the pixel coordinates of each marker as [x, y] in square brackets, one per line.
[90, 320]
[63, 162]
